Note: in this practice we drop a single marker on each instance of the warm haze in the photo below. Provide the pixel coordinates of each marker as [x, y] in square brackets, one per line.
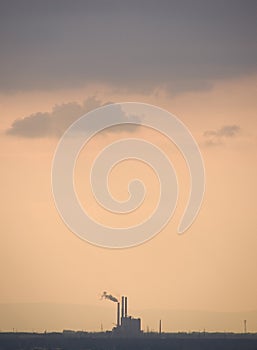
[61, 59]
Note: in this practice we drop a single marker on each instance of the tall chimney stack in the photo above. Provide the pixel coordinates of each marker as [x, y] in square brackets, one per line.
[160, 327]
[122, 306]
[118, 314]
[126, 307]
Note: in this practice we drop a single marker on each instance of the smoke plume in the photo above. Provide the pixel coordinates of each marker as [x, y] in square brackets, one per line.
[105, 295]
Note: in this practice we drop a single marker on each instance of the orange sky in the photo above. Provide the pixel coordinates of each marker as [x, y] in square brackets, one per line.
[197, 60]
[210, 268]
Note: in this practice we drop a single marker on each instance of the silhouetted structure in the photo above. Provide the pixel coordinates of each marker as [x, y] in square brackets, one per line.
[160, 327]
[126, 325]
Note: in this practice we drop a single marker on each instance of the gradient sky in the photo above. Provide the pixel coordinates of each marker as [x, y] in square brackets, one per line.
[198, 60]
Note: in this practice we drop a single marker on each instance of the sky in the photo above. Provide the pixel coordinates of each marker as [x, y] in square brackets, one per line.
[197, 60]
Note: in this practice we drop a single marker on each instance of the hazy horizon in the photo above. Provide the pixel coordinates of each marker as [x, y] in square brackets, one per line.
[33, 317]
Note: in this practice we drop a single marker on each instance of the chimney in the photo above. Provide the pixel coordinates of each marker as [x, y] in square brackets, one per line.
[118, 314]
[126, 307]
[160, 327]
[122, 307]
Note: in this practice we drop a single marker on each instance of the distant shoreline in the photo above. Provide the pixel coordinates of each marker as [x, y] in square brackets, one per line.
[69, 340]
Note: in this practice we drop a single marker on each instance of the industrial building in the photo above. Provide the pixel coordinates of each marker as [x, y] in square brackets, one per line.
[126, 325]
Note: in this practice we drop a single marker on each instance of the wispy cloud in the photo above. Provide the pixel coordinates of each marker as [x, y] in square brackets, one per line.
[54, 123]
[217, 137]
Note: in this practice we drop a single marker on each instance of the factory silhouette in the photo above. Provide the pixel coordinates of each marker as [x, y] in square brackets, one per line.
[126, 325]
[126, 335]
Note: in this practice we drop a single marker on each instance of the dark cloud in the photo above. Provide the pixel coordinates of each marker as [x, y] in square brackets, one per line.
[217, 137]
[54, 124]
[135, 45]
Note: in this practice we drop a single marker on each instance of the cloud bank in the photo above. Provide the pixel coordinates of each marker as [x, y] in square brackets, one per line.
[139, 45]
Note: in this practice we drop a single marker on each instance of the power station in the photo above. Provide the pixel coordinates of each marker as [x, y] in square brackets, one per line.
[126, 325]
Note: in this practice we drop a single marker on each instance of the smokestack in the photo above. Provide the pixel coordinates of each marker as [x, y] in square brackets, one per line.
[160, 327]
[122, 306]
[126, 307]
[118, 314]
